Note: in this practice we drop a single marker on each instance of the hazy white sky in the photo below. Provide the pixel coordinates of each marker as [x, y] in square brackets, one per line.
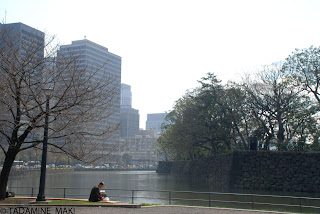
[167, 45]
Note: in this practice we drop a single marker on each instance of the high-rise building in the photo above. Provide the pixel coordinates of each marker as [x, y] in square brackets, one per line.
[126, 96]
[142, 148]
[25, 47]
[23, 39]
[155, 121]
[22, 50]
[129, 117]
[103, 65]
[129, 122]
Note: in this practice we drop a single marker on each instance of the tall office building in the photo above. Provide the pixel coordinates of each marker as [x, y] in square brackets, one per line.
[22, 53]
[104, 66]
[129, 117]
[129, 122]
[143, 148]
[126, 96]
[24, 46]
[155, 121]
[141, 144]
[23, 39]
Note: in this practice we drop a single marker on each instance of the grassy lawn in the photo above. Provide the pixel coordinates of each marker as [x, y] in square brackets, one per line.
[16, 201]
[69, 202]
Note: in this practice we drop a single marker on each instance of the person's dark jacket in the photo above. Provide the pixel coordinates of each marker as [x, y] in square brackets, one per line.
[95, 194]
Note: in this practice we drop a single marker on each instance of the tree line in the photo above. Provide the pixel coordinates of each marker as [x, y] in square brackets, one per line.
[275, 108]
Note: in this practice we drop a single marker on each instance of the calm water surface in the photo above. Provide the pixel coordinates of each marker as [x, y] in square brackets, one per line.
[79, 184]
[137, 180]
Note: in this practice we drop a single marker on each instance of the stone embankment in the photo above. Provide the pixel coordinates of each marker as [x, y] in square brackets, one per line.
[256, 170]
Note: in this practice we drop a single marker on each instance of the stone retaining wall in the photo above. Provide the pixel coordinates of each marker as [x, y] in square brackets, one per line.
[258, 170]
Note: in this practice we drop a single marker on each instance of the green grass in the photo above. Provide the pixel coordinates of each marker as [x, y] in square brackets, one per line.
[146, 204]
[73, 202]
[57, 202]
[16, 201]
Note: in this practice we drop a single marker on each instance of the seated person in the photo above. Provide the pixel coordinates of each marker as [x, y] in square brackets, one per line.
[95, 194]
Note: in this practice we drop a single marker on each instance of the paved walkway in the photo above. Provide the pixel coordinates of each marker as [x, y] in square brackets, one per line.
[117, 208]
[161, 210]
[24, 209]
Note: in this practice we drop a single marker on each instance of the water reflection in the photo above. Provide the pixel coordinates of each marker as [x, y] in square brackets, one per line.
[82, 182]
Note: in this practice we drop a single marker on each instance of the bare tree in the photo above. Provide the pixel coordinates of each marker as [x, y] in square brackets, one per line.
[303, 66]
[80, 106]
[279, 109]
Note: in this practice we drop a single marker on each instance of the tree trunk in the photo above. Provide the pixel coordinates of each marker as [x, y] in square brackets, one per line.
[280, 134]
[5, 172]
[266, 146]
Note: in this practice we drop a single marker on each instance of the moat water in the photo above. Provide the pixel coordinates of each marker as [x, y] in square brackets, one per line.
[145, 186]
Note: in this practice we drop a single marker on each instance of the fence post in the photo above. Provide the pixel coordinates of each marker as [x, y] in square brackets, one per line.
[132, 196]
[209, 199]
[64, 192]
[252, 201]
[300, 205]
[169, 197]
[31, 191]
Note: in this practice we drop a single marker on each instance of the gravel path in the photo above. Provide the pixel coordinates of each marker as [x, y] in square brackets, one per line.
[119, 210]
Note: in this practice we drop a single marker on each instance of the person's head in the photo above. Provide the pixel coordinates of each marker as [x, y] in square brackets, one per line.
[101, 185]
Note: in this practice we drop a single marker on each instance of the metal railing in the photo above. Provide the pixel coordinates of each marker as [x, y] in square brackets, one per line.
[210, 199]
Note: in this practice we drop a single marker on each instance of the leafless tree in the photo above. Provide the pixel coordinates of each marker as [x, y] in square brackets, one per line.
[279, 109]
[80, 106]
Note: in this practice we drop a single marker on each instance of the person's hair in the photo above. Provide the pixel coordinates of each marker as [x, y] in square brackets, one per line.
[101, 183]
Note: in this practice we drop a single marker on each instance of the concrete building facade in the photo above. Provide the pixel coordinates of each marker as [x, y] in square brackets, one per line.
[143, 149]
[105, 66]
[24, 44]
[24, 38]
[23, 47]
[155, 121]
[129, 117]
[126, 96]
[129, 122]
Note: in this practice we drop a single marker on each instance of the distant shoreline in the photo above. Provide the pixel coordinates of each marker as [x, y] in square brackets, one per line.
[36, 172]
[107, 169]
